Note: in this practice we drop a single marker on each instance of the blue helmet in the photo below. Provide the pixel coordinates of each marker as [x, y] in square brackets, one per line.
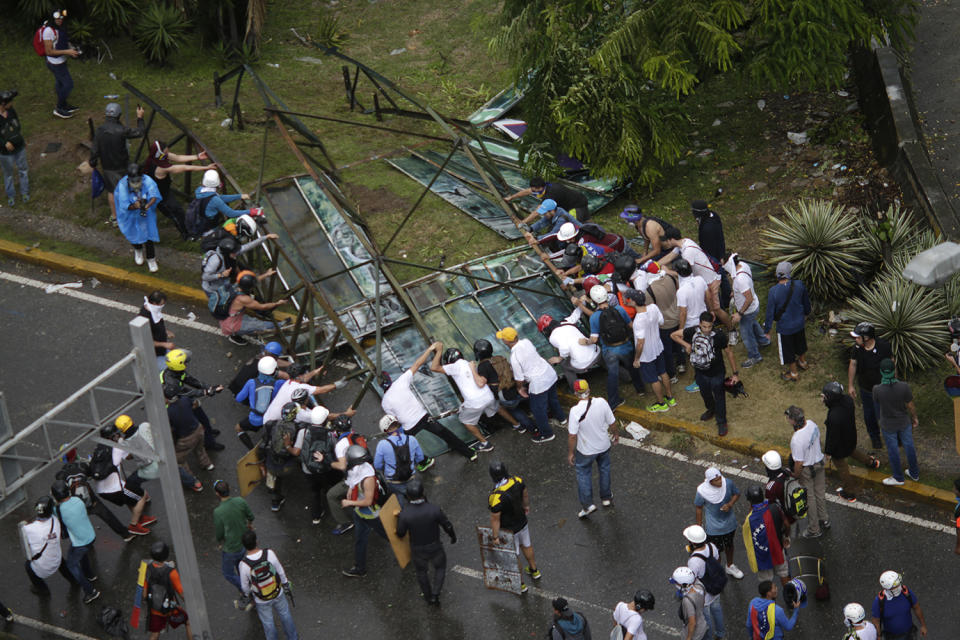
[274, 348]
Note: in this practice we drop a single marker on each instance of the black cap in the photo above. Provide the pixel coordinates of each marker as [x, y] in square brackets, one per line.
[699, 206]
[560, 604]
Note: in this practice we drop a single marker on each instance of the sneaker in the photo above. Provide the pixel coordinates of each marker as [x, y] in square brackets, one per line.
[62, 114]
[658, 407]
[92, 579]
[674, 380]
[317, 520]
[426, 464]
[129, 537]
[749, 362]
[874, 463]
[341, 529]
[72, 107]
[607, 502]
[587, 511]
[146, 521]
[485, 446]
[237, 340]
[893, 482]
[681, 368]
[540, 439]
[137, 530]
[706, 415]
[214, 446]
[824, 524]
[692, 388]
[276, 504]
[138, 256]
[808, 534]
[244, 603]
[553, 422]
[8, 615]
[846, 495]
[354, 572]
[519, 428]
[764, 342]
[211, 466]
[197, 486]
[535, 573]
[915, 478]
[722, 430]
[614, 407]
[90, 598]
[523, 587]
[734, 571]
[473, 457]
[152, 265]
[671, 402]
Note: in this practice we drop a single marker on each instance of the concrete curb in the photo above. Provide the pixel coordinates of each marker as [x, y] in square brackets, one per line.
[661, 422]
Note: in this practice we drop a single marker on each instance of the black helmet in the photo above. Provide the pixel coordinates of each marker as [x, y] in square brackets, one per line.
[498, 470]
[571, 255]
[590, 263]
[644, 599]
[109, 431]
[342, 423]
[755, 494]
[159, 551]
[44, 507]
[296, 370]
[414, 489]
[247, 282]
[624, 266]
[482, 349]
[289, 411]
[451, 355]
[228, 245]
[133, 170]
[832, 390]
[356, 455]
[299, 395]
[864, 330]
[59, 490]
[682, 267]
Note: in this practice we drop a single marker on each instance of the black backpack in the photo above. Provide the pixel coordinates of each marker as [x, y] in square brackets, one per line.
[76, 476]
[220, 301]
[401, 455]
[101, 463]
[316, 440]
[613, 328]
[211, 239]
[160, 594]
[195, 219]
[714, 575]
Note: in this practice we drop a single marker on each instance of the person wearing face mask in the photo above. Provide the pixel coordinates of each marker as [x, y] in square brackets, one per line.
[894, 607]
[136, 197]
[690, 593]
[858, 627]
[152, 310]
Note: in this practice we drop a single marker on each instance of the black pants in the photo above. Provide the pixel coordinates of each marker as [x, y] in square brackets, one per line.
[668, 350]
[40, 584]
[171, 208]
[444, 434]
[423, 557]
[151, 250]
[103, 512]
[201, 416]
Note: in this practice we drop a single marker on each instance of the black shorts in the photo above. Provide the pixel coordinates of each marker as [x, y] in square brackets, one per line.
[124, 498]
[111, 178]
[724, 541]
[247, 426]
[793, 345]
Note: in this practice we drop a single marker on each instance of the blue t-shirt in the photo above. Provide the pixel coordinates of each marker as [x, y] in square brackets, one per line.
[715, 521]
[384, 459]
[797, 307]
[897, 613]
[249, 395]
[627, 346]
[75, 519]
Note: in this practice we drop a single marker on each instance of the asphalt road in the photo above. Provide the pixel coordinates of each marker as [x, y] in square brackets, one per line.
[51, 344]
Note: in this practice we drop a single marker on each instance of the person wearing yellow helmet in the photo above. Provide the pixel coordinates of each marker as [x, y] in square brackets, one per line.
[183, 384]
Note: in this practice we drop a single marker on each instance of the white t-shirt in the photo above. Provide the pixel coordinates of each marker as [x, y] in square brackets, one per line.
[49, 33]
[113, 483]
[743, 282]
[298, 444]
[805, 444]
[646, 327]
[358, 474]
[641, 279]
[38, 533]
[699, 567]
[400, 401]
[591, 432]
[566, 339]
[474, 397]
[529, 366]
[630, 620]
[246, 582]
[868, 632]
[691, 295]
[340, 448]
[698, 259]
[282, 397]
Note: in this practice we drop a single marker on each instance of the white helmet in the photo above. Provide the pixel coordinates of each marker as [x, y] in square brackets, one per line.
[211, 178]
[853, 613]
[387, 422]
[267, 365]
[246, 226]
[598, 293]
[567, 231]
[683, 576]
[695, 534]
[771, 459]
[890, 580]
[319, 414]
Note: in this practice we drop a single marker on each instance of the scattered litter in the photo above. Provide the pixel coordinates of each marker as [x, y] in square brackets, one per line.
[94, 283]
[311, 60]
[773, 169]
[113, 76]
[725, 105]
[839, 182]
[705, 153]
[734, 461]
[843, 167]
[853, 106]
[743, 466]
[226, 122]
[797, 138]
[273, 64]
[31, 247]
[112, 96]
[862, 181]
[53, 288]
[717, 122]
[761, 104]
[397, 52]
[836, 166]
[638, 432]
[191, 316]
[758, 186]
[786, 97]
[229, 354]
[843, 94]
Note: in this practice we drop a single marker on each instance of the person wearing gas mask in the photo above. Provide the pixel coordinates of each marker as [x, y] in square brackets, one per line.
[137, 196]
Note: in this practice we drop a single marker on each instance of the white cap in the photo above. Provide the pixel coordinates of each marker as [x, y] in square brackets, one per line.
[771, 460]
[267, 365]
[319, 415]
[598, 293]
[695, 534]
[683, 576]
[854, 613]
[567, 231]
[711, 473]
[387, 422]
[211, 178]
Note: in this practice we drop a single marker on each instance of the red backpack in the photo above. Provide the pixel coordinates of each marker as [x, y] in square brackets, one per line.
[38, 45]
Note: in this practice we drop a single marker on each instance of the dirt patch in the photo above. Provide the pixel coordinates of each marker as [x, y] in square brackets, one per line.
[374, 203]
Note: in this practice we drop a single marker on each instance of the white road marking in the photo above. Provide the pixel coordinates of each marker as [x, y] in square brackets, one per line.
[649, 625]
[49, 628]
[106, 302]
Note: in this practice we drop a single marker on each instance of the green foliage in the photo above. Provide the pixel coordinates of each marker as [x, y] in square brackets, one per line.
[36, 11]
[160, 31]
[114, 16]
[330, 32]
[227, 54]
[889, 233]
[820, 239]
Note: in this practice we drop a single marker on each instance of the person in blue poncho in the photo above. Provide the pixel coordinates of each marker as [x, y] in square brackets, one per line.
[136, 197]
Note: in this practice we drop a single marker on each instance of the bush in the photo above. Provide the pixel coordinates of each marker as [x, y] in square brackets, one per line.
[113, 16]
[894, 228]
[160, 31]
[330, 33]
[821, 242]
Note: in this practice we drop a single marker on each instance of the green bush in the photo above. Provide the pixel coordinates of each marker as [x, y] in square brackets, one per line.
[330, 32]
[820, 239]
[894, 228]
[160, 31]
[113, 16]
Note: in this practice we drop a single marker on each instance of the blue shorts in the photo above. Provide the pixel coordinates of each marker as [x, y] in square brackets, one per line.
[651, 371]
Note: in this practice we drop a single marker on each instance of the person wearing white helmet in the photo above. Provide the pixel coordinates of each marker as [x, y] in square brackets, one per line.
[398, 457]
[691, 594]
[777, 477]
[610, 326]
[894, 607]
[212, 204]
[855, 617]
[706, 565]
[257, 393]
[765, 618]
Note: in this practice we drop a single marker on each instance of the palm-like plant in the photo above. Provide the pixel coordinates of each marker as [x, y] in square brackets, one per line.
[888, 234]
[160, 31]
[330, 32]
[820, 240]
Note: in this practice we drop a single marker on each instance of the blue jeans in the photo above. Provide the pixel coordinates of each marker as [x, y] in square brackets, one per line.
[229, 566]
[584, 465]
[542, 404]
[11, 162]
[513, 408]
[361, 538]
[752, 334]
[870, 417]
[78, 564]
[714, 615]
[63, 83]
[713, 394]
[250, 326]
[894, 439]
[613, 359]
[281, 607]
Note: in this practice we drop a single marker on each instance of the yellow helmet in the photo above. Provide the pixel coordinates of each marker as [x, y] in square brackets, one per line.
[123, 423]
[177, 359]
